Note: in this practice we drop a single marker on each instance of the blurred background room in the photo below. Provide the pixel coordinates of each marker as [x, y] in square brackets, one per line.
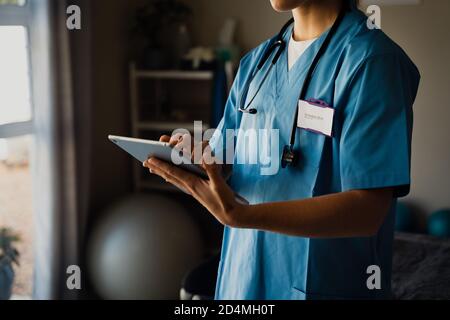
[73, 72]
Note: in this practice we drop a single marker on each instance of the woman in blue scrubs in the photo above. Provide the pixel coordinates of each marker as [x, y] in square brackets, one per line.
[322, 228]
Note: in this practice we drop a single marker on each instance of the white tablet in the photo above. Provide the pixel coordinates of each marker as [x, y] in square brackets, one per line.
[142, 150]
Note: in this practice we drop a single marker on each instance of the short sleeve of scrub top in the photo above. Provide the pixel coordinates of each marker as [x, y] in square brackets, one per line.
[364, 148]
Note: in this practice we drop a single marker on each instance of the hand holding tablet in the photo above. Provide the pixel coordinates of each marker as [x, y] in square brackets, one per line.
[142, 150]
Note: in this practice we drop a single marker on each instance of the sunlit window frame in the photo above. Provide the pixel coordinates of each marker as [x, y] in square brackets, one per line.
[14, 15]
[11, 4]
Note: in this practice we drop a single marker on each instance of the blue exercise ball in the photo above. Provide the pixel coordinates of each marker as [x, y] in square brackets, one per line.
[142, 248]
[404, 218]
[439, 224]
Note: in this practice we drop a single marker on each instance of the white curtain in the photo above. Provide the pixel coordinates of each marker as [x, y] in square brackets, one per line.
[61, 100]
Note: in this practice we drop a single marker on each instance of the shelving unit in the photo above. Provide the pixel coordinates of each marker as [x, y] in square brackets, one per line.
[167, 126]
[175, 74]
[163, 101]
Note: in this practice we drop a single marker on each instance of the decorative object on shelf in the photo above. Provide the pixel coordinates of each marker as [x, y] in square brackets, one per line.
[227, 57]
[227, 50]
[159, 23]
[211, 58]
[199, 58]
[439, 224]
[181, 45]
[8, 256]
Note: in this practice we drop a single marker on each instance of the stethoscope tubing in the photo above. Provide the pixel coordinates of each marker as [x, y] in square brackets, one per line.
[281, 45]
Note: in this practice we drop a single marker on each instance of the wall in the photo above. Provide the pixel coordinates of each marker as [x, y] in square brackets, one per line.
[111, 170]
[420, 30]
[256, 20]
[423, 32]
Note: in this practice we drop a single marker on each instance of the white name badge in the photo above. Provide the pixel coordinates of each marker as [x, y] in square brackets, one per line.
[315, 117]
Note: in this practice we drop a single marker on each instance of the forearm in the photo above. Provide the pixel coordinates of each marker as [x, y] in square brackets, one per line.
[349, 214]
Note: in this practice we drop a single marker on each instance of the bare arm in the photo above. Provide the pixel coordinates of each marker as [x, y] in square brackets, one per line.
[347, 214]
[356, 213]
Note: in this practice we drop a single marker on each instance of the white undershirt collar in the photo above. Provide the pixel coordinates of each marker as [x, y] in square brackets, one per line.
[296, 50]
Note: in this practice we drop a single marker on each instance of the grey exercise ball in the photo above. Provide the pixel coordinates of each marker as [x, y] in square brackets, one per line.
[142, 248]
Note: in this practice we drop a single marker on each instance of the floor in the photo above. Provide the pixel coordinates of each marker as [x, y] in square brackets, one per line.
[16, 214]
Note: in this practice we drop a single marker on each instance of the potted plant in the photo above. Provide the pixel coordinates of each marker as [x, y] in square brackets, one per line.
[157, 23]
[8, 256]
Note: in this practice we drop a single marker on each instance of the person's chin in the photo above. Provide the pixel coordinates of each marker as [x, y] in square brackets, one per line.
[286, 5]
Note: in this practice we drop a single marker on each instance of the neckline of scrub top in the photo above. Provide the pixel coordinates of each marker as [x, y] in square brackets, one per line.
[302, 64]
[298, 71]
[296, 49]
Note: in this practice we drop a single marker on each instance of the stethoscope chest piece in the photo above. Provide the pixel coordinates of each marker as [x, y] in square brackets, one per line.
[289, 158]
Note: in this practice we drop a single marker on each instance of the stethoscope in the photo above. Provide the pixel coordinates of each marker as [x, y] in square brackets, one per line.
[289, 156]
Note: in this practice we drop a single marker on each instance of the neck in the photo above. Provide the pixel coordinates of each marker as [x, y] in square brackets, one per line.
[312, 18]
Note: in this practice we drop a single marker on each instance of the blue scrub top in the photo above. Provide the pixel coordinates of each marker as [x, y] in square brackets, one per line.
[372, 84]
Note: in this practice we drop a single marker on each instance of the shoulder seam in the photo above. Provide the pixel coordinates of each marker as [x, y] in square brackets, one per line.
[364, 62]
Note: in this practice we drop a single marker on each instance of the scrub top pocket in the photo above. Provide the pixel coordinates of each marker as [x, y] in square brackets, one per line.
[311, 147]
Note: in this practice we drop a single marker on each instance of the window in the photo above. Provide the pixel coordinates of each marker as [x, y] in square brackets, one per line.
[16, 119]
[15, 100]
[20, 3]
